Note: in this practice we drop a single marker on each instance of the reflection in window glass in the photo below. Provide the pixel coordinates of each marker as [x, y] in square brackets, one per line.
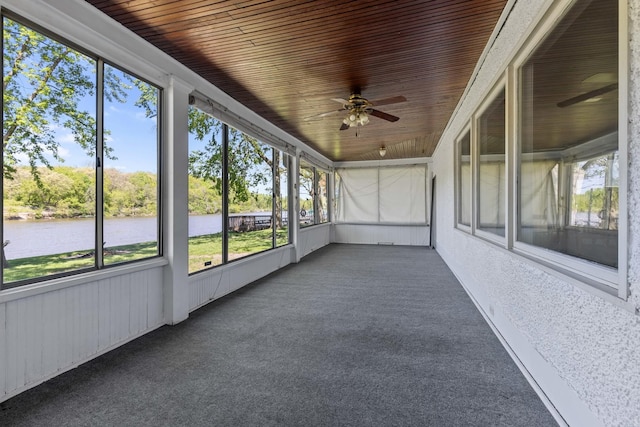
[130, 170]
[281, 192]
[205, 191]
[464, 180]
[307, 194]
[594, 193]
[561, 121]
[491, 167]
[251, 197]
[49, 156]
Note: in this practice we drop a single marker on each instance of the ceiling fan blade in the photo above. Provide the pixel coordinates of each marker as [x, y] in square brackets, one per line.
[344, 126]
[588, 95]
[328, 113]
[387, 101]
[340, 100]
[384, 116]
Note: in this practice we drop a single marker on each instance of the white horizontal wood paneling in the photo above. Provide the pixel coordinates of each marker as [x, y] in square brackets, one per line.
[313, 238]
[212, 284]
[410, 235]
[45, 334]
[3, 353]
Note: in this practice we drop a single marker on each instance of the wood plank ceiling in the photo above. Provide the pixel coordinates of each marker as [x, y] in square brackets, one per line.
[286, 60]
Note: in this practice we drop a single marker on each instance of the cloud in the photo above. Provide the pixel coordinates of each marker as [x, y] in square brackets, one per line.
[66, 138]
[23, 158]
[63, 152]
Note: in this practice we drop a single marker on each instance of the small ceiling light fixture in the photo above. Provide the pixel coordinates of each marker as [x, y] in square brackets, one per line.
[382, 151]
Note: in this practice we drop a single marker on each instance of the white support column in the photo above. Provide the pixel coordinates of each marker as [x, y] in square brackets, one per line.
[175, 201]
[294, 208]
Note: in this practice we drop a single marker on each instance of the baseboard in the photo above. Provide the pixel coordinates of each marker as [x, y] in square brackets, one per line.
[559, 398]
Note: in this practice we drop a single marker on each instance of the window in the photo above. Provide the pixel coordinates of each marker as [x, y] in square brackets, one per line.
[568, 153]
[322, 197]
[205, 191]
[250, 196]
[130, 167]
[463, 192]
[307, 192]
[80, 183]
[568, 160]
[256, 178]
[281, 193]
[491, 167]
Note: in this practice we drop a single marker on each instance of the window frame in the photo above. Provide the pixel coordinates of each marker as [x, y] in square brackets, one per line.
[100, 63]
[500, 86]
[605, 281]
[467, 130]
[610, 280]
[225, 131]
[590, 275]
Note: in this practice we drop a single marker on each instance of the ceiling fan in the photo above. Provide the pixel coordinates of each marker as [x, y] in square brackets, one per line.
[588, 96]
[359, 109]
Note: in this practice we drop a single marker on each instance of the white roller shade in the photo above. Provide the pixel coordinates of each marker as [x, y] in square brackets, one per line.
[221, 113]
[391, 195]
[403, 194]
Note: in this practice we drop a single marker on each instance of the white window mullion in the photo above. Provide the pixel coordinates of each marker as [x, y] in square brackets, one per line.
[100, 164]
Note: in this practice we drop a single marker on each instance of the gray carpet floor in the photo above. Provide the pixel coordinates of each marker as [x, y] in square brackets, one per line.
[351, 336]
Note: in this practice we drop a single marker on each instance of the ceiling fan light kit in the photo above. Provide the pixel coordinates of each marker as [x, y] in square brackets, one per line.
[359, 110]
[356, 117]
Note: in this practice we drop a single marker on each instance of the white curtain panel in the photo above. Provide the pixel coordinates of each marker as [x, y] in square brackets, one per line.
[539, 193]
[403, 194]
[382, 195]
[492, 194]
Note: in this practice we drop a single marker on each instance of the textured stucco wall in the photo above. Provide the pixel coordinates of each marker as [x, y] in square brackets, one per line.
[589, 344]
[634, 151]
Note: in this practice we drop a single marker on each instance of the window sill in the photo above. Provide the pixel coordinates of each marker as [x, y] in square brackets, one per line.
[597, 287]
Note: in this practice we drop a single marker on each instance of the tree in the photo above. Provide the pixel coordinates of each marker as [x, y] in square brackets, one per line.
[247, 160]
[45, 85]
[44, 82]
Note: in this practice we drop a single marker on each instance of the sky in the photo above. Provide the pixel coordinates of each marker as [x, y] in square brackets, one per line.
[133, 138]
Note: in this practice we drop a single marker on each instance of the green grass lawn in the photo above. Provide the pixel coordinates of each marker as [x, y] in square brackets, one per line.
[202, 250]
[208, 248]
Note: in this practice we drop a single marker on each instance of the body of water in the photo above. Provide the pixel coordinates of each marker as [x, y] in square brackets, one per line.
[54, 236]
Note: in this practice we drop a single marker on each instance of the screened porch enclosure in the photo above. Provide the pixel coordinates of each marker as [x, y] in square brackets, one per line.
[249, 255]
